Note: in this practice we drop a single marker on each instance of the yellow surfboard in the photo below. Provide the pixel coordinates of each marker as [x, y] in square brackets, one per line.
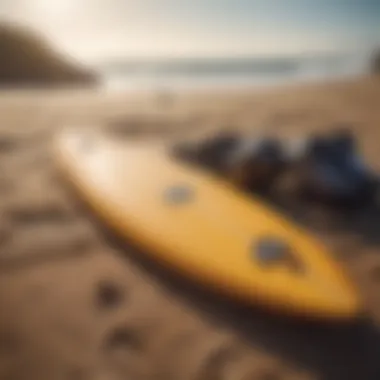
[203, 227]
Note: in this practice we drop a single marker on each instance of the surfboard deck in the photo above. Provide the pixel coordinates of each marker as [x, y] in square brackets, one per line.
[203, 227]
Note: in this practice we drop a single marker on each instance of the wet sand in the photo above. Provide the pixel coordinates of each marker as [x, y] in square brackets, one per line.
[76, 305]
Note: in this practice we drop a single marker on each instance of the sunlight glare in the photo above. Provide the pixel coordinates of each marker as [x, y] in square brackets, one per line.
[55, 8]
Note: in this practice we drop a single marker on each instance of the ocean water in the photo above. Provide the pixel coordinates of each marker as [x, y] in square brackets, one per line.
[229, 73]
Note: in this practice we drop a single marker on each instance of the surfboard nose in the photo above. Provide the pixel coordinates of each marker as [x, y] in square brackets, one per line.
[344, 303]
[329, 297]
[337, 294]
[348, 306]
[318, 303]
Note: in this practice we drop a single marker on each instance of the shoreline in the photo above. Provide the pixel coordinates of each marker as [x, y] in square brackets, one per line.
[240, 87]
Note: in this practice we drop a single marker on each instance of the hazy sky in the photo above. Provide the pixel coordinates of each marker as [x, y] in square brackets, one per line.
[94, 29]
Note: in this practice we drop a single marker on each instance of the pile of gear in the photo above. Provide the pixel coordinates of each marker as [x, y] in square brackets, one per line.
[325, 167]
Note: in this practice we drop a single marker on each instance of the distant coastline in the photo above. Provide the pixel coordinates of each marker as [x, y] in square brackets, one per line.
[251, 72]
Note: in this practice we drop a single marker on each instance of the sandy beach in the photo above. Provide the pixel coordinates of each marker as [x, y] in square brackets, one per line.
[76, 306]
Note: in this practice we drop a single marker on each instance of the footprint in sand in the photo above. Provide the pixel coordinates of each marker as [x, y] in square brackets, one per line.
[5, 232]
[214, 365]
[7, 144]
[227, 361]
[123, 337]
[32, 214]
[108, 295]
